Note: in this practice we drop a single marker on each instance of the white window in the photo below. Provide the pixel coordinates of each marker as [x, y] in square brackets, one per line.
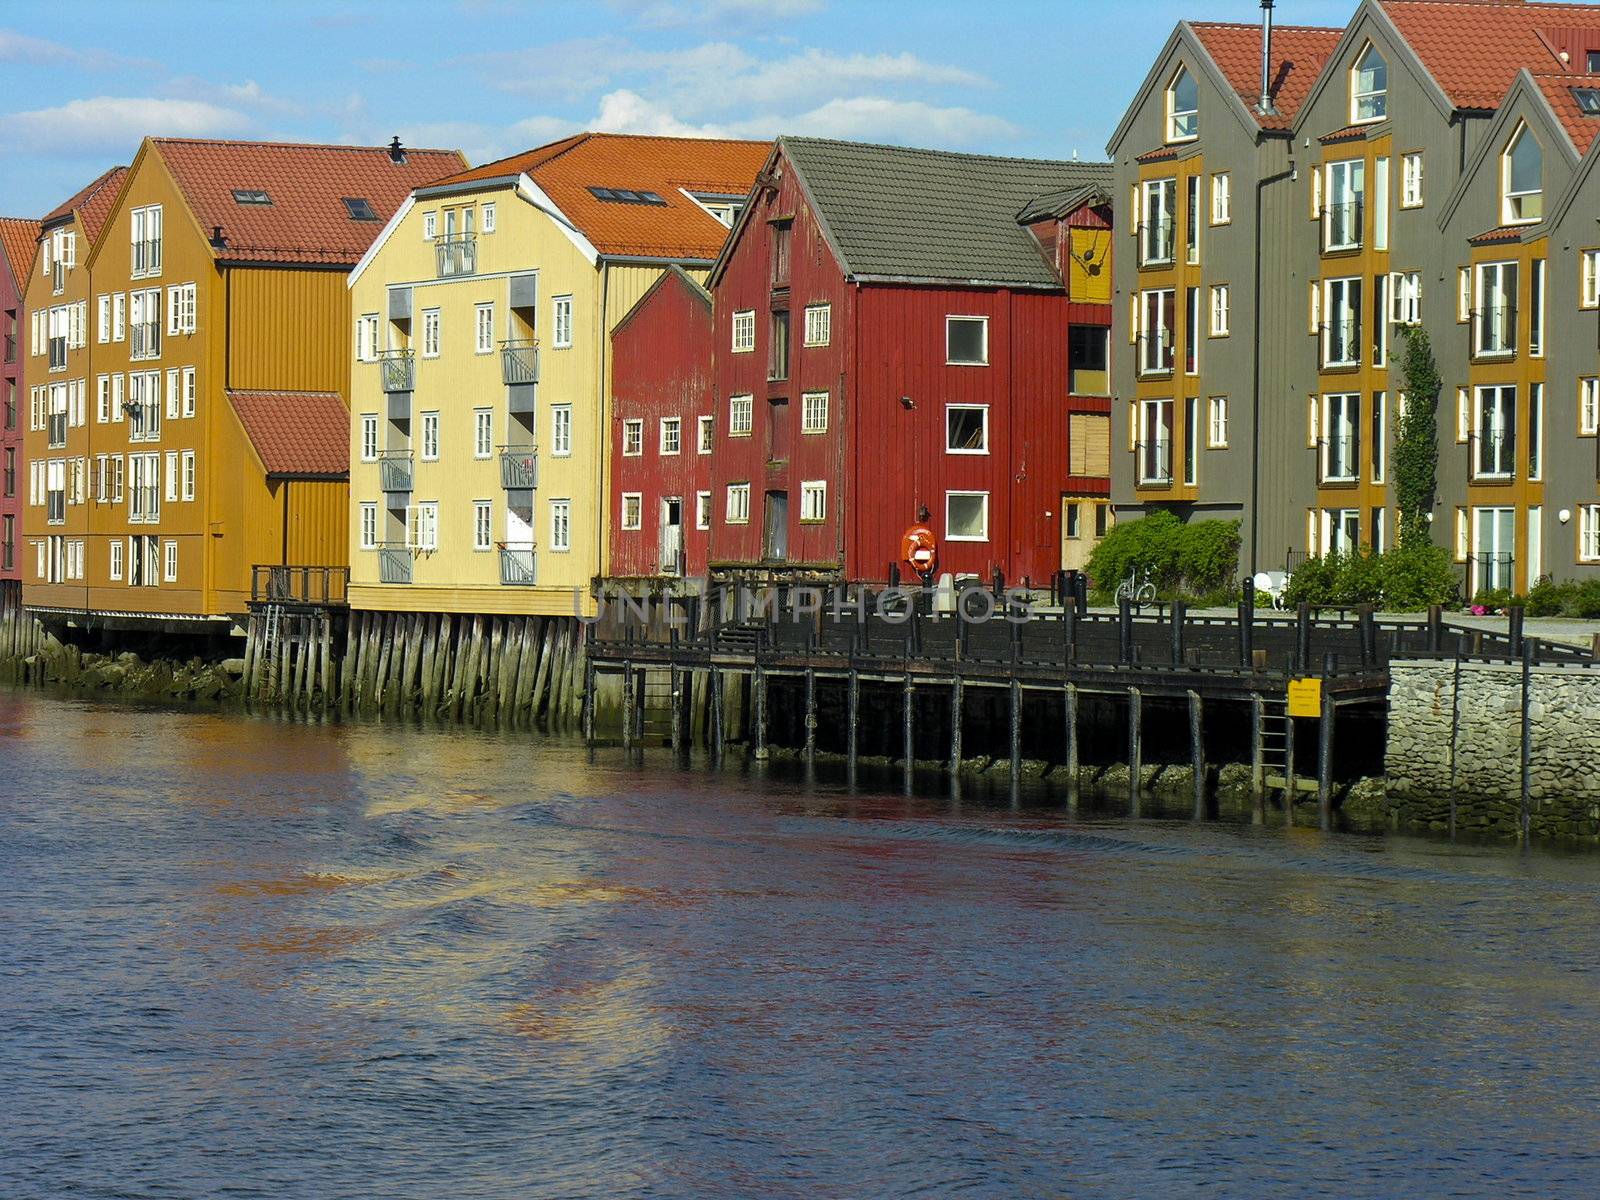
[702, 510]
[1411, 180]
[738, 511]
[1346, 196]
[485, 329]
[482, 525]
[813, 412]
[1183, 107]
[1369, 87]
[146, 248]
[180, 309]
[1494, 430]
[186, 472]
[632, 438]
[671, 435]
[632, 510]
[706, 437]
[741, 415]
[561, 525]
[1405, 297]
[561, 324]
[966, 429]
[114, 568]
[1380, 436]
[369, 437]
[103, 319]
[1495, 319]
[1521, 179]
[188, 392]
[1589, 276]
[1341, 330]
[1219, 310]
[1155, 331]
[966, 516]
[966, 341]
[814, 500]
[1157, 225]
[174, 397]
[430, 437]
[561, 430]
[1589, 405]
[119, 317]
[430, 225]
[1589, 533]
[482, 432]
[1536, 305]
[1341, 446]
[744, 332]
[1463, 415]
[170, 574]
[488, 218]
[430, 333]
[1463, 294]
[1221, 198]
[819, 324]
[1217, 428]
[369, 525]
[424, 526]
[1536, 433]
[172, 476]
[102, 399]
[367, 337]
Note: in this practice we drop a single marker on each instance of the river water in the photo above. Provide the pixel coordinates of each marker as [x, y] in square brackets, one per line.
[247, 957]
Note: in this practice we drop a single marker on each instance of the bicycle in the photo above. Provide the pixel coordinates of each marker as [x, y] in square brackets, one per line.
[1135, 590]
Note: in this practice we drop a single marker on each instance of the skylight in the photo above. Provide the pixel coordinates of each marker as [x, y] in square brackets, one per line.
[359, 209]
[1588, 101]
[626, 196]
[250, 196]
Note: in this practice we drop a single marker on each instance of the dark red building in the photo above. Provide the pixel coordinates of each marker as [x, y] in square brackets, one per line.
[660, 436]
[18, 243]
[907, 335]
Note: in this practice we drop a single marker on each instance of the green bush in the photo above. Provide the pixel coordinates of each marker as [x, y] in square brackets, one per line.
[1547, 599]
[1197, 559]
[1400, 580]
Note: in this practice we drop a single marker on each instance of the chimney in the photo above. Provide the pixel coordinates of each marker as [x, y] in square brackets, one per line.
[397, 152]
[1264, 105]
[217, 240]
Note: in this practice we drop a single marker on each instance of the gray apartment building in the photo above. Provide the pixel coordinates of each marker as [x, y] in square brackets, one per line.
[1297, 196]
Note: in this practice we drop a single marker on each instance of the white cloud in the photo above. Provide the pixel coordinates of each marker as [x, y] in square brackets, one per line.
[903, 122]
[628, 112]
[669, 14]
[714, 80]
[115, 123]
[19, 47]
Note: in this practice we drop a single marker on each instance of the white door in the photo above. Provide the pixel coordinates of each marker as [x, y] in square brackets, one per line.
[1494, 533]
[671, 560]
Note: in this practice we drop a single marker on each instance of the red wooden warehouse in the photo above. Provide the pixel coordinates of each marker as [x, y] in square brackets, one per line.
[907, 335]
[660, 437]
[18, 244]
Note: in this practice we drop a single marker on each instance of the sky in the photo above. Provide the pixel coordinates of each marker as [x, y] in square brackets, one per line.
[81, 81]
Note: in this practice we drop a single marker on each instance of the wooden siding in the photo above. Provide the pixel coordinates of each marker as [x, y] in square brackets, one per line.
[288, 330]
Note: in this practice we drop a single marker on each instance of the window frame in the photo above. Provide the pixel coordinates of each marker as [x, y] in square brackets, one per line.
[962, 494]
[482, 446]
[481, 343]
[1356, 96]
[673, 444]
[818, 317]
[633, 436]
[1221, 198]
[1220, 292]
[1510, 209]
[1191, 130]
[1411, 196]
[705, 433]
[432, 333]
[742, 321]
[560, 522]
[561, 330]
[560, 447]
[983, 322]
[808, 427]
[741, 491]
[813, 494]
[745, 428]
[1216, 406]
[637, 523]
[962, 406]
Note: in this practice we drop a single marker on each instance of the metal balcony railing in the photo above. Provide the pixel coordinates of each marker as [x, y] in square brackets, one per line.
[1493, 456]
[519, 467]
[396, 470]
[519, 564]
[1341, 225]
[1491, 572]
[57, 425]
[144, 340]
[1339, 459]
[1154, 461]
[147, 256]
[398, 369]
[456, 254]
[272, 584]
[1494, 331]
[1155, 352]
[1341, 342]
[394, 562]
[1157, 242]
[519, 361]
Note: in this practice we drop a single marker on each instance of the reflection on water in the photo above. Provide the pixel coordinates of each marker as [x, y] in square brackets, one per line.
[279, 960]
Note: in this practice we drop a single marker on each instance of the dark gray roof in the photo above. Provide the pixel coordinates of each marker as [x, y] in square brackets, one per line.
[898, 213]
[1059, 204]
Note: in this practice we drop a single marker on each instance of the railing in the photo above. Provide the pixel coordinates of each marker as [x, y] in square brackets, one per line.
[298, 585]
[1494, 331]
[1491, 571]
[11, 347]
[147, 257]
[1155, 352]
[519, 467]
[1157, 242]
[1341, 342]
[1493, 456]
[1339, 459]
[519, 361]
[56, 508]
[58, 277]
[394, 562]
[144, 340]
[456, 254]
[396, 471]
[58, 430]
[519, 564]
[58, 353]
[1341, 225]
[1155, 463]
[398, 368]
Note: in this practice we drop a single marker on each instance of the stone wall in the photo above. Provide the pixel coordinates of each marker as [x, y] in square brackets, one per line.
[1486, 750]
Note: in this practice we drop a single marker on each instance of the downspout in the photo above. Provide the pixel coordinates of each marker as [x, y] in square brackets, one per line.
[602, 481]
[283, 549]
[1255, 380]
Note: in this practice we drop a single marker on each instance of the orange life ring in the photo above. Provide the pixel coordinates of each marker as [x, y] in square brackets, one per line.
[919, 549]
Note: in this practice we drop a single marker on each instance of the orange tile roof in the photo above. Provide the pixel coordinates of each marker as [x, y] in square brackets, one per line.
[93, 203]
[1348, 133]
[1298, 50]
[19, 242]
[679, 229]
[1159, 154]
[302, 435]
[1557, 91]
[307, 221]
[1474, 48]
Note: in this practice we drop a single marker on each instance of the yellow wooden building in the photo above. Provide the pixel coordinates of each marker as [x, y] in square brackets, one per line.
[480, 386]
[210, 435]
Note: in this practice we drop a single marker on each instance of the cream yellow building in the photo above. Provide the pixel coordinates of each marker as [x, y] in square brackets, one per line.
[480, 397]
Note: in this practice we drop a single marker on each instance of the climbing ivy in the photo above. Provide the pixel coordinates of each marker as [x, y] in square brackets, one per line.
[1416, 451]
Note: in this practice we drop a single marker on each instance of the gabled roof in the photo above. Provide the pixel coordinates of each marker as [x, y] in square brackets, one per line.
[19, 243]
[92, 205]
[1474, 48]
[1059, 204]
[932, 215]
[296, 435]
[674, 274]
[1298, 53]
[677, 229]
[307, 221]
[1557, 92]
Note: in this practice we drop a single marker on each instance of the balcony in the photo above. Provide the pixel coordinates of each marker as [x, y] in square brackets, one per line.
[1341, 342]
[396, 471]
[1154, 463]
[1494, 457]
[1495, 332]
[144, 340]
[519, 361]
[456, 254]
[1157, 242]
[147, 257]
[519, 564]
[399, 369]
[316, 587]
[1155, 352]
[1341, 226]
[57, 426]
[1339, 459]
[394, 562]
[519, 467]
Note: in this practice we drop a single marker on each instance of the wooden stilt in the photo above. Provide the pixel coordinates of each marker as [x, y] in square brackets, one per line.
[1071, 722]
[1258, 747]
[908, 735]
[958, 704]
[1016, 730]
[1135, 750]
[853, 717]
[758, 704]
[627, 709]
[811, 717]
[714, 684]
[1197, 753]
[1325, 761]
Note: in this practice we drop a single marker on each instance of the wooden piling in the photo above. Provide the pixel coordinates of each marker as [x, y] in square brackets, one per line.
[908, 735]
[714, 684]
[627, 709]
[1135, 749]
[1325, 760]
[1197, 753]
[1071, 721]
[958, 704]
[811, 717]
[1258, 747]
[852, 717]
[1015, 730]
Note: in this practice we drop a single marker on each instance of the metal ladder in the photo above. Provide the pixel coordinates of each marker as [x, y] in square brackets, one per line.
[1277, 746]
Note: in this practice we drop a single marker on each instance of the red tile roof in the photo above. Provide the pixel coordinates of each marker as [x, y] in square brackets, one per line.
[1348, 134]
[93, 203]
[679, 229]
[1557, 91]
[1474, 48]
[1298, 50]
[307, 221]
[1500, 233]
[19, 242]
[301, 435]
[1159, 154]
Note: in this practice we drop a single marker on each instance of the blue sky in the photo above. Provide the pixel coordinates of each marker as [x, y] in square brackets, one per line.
[85, 79]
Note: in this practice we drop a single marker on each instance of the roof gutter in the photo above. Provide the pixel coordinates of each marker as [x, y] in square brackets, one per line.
[471, 185]
[949, 281]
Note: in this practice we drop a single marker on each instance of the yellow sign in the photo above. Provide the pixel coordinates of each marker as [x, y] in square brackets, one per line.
[1305, 697]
